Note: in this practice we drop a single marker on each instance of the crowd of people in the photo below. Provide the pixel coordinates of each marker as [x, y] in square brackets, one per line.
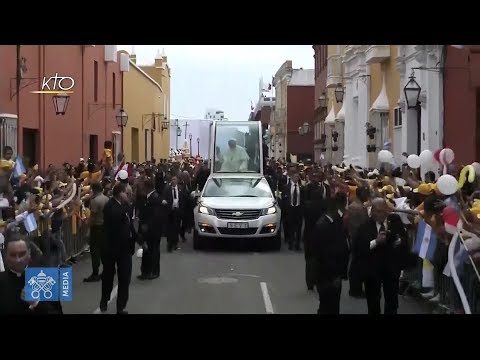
[123, 204]
[353, 223]
[368, 226]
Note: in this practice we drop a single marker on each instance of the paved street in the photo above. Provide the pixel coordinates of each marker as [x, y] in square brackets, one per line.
[220, 281]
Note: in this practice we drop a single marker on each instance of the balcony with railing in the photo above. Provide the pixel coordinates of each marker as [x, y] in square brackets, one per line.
[334, 71]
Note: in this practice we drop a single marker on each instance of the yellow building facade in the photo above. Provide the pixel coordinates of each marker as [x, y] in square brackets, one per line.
[335, 119]
[384, 96]
[147, 103]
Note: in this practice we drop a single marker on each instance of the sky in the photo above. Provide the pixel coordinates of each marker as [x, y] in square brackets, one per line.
[225, 77]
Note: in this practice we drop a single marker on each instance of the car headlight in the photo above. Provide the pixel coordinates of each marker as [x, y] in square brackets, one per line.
[269, 211]
[205, 210]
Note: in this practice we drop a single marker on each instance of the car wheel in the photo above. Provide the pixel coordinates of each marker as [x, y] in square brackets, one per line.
[197, 241]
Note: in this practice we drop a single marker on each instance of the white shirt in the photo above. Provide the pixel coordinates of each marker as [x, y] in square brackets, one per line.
[150, 193]
[292, 189]
[175, 201]
[373, 243]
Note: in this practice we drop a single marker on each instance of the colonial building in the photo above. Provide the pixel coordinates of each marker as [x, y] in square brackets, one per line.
[147, 102]
[462, 102]
[294, 108]
[418, 126]
[28, 119]
[320, 109]
[334, 122]
[372, 92]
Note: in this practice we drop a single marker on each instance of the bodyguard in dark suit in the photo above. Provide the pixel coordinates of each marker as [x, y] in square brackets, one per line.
[119, 248]
[330, 254]
[293, 203]
[150, 229]
[284, 183]
[317, 198]
[380, 246]
[173, 201]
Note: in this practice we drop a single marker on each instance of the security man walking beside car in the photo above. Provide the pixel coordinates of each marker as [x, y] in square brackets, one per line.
[173, 201]
[119, 248]
[317, 197]
[330, 252]
[293, 204]
[150, 230]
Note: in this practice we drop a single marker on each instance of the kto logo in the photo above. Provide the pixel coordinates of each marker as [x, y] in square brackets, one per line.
[48, 284]
[56, 85]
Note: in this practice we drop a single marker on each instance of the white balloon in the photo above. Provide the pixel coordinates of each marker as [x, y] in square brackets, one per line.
[476, 166]
[413, 161]
[385, 156]
[426, 157]
[447, 184]
[446, 156]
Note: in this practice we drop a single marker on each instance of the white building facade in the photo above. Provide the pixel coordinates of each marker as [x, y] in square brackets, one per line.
[356, 103]
[430, 80]
[198, 129]
[215, 114]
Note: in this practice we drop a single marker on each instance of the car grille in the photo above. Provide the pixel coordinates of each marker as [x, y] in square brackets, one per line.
[228, 231]
[239, 214]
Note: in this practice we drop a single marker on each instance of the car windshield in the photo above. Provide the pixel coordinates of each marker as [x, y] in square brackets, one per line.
[237, 187]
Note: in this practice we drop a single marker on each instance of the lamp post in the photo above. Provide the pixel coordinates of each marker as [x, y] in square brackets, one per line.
[412, 94]
[122, 119]
[339, 93]
[179, 133]
[60, 103]
[190, 137]
[198, 146]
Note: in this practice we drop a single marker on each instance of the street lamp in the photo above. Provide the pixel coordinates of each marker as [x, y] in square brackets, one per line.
[339, 92]
[412, 92]
[306, 127]
[198, 146]
[122, 118]
[60, 102]
[190, 137]
[322, 100]
[179, 131]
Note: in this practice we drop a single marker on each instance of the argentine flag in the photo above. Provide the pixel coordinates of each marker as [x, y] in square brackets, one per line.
[18, 169]
[426, 241]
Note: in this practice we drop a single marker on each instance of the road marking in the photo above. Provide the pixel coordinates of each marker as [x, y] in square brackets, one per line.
[266, 298]
[217, 280]
[112, 297]
[247, 275]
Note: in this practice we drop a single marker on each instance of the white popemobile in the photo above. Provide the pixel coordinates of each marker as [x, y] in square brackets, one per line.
[236, 201]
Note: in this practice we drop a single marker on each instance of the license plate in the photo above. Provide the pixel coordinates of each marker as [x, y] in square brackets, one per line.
[237, 225]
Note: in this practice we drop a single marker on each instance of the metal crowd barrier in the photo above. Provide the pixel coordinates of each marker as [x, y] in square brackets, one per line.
[75, 244]
[449, 298]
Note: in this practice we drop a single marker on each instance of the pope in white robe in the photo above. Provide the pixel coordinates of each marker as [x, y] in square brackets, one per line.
[235, 159]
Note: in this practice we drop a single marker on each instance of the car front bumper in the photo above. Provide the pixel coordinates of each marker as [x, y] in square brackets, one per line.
[211, 226]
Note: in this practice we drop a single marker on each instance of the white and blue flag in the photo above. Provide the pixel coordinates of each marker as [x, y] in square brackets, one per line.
[18, 169]
[426, 241]
[30, 223]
